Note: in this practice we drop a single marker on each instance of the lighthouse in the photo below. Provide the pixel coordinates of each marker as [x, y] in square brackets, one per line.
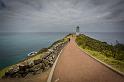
[77, 30]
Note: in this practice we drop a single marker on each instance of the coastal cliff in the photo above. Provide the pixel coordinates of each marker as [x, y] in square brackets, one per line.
[37, 63]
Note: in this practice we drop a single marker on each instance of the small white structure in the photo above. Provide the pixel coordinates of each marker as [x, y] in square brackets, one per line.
[77, 30]
[32, 53]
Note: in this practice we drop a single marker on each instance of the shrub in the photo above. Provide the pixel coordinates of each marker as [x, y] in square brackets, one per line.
[116, 51]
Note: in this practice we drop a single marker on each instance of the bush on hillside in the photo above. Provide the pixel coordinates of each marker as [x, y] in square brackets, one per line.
[116, 51]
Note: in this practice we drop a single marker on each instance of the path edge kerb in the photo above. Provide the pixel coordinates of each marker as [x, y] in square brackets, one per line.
[54, 65]
[108, 66]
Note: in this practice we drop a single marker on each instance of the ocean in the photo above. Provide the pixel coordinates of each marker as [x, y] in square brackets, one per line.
[14, 47]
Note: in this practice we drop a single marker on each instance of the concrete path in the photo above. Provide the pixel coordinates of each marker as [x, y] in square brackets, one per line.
[75, 66]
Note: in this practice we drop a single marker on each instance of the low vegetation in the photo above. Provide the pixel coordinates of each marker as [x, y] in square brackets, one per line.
[110, 54]
[41, 54]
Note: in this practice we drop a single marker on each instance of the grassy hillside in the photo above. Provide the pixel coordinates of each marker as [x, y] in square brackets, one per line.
[110, 54]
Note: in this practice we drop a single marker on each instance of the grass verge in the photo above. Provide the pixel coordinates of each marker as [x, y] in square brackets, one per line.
[116, 64]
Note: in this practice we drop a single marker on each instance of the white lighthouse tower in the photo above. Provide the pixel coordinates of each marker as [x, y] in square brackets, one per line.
[77, 30]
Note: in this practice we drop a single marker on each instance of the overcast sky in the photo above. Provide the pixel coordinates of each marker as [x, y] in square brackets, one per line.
[61, 15]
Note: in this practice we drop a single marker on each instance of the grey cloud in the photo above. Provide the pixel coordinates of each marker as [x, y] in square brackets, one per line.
[30, 15]
[2, 4]
[116, 9]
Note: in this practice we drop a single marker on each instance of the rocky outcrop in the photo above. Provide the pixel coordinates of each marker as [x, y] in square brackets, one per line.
[36, 66]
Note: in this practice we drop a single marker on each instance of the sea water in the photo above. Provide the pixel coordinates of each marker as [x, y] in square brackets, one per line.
[14, 46]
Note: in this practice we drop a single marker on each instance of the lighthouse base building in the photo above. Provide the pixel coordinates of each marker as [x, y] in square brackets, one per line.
[77, 30]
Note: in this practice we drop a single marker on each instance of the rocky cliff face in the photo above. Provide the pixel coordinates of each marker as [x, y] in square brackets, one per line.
[36, 66]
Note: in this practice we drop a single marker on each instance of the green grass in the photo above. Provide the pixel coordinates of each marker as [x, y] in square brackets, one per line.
[116, 64]
[112, 55]
[34, 57]
[2, 72]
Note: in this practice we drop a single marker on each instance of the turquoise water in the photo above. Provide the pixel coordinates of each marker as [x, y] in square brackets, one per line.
[15, 46]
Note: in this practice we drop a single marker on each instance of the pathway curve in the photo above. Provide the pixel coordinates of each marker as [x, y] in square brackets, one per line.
[75, 66]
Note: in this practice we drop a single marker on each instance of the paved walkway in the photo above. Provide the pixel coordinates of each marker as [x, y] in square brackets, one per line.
[76, 66]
